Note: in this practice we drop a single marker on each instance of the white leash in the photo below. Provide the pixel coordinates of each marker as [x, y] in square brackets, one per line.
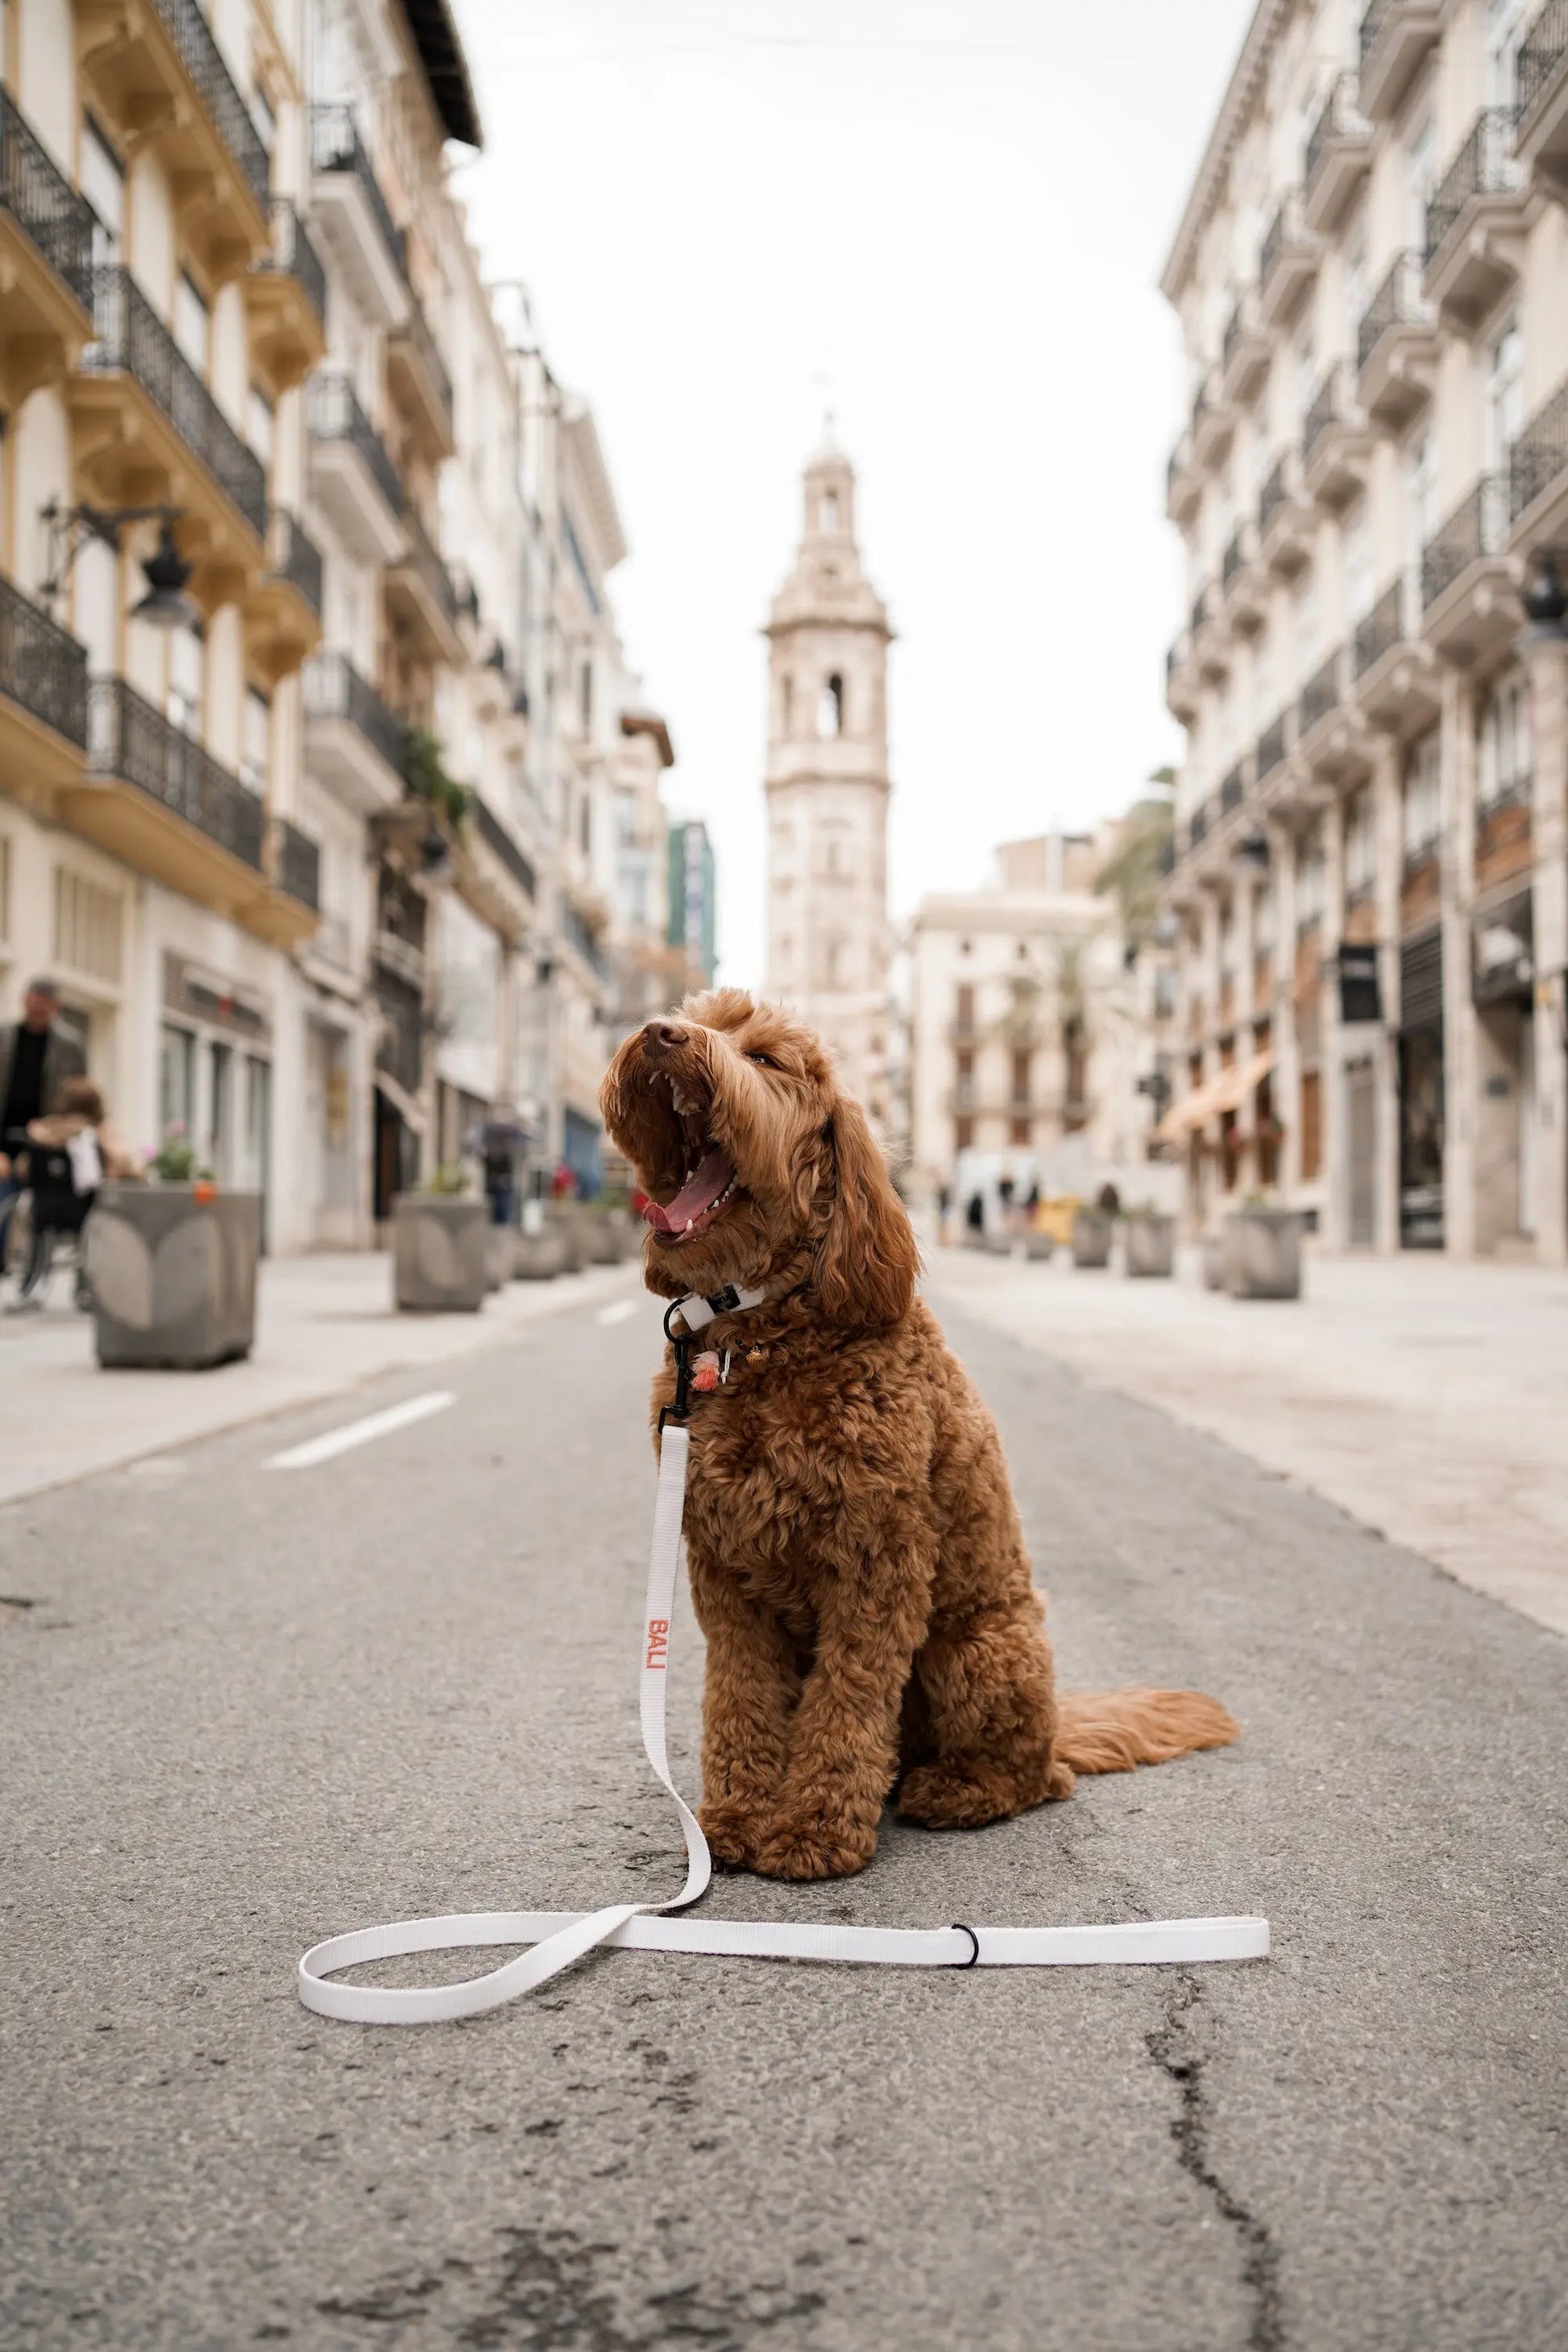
[559, 1938]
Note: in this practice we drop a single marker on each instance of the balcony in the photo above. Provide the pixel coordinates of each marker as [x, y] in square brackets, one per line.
[1475, 231]
[1336, 446]
[1396, 347]
[1210, 428]
[1541, 139]
[1339, 156]
[1393, 674]
[148, 429]
[585, 942]
[1287, 263]
[1331, 739]
[43, 701]
[283, 608]
[417, 379]
[1244, 353]
[297, 864]
[1395, 35]
[1183, 483]
[154, 798]
[1180, 680]
[152, 70]
[286, 295]
[1245, 584]
[1207, 636]
[421, 598]
[1537, 477]
[1232, 791]
[1467, 603]
[46, 256]
[1273, 749]
[1287, 519]
[353, 741]
[351, 476]
[354, 218]
[492, 876]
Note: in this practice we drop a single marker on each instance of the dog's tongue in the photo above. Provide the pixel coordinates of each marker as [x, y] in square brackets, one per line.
[699, 1193]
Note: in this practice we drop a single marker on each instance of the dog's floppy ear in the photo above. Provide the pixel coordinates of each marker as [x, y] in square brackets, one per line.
[867, 1261]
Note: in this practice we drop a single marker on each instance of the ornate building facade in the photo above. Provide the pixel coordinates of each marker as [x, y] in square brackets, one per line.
[827, 789]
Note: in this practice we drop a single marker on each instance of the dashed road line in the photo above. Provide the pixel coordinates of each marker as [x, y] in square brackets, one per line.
[363, 1433]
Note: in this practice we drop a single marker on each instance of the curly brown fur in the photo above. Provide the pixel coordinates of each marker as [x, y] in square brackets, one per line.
[857, 1561]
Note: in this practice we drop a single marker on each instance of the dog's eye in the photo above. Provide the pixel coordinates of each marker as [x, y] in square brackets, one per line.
[763, 1061]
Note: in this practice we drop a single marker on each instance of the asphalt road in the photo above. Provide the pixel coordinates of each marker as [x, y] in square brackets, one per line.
[249, 1707]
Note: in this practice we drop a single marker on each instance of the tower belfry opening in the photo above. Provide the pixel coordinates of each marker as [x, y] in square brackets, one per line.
[827, 788]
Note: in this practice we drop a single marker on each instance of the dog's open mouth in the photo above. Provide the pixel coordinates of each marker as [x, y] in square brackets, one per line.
[710, 1182]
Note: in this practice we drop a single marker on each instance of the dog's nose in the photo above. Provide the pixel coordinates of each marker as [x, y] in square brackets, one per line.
[661, 1037]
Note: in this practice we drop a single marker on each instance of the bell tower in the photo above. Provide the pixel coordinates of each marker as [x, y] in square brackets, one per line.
[827, 789]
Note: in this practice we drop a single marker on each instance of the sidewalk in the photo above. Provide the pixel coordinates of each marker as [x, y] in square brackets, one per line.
[1428, 1400]
[323, 1325]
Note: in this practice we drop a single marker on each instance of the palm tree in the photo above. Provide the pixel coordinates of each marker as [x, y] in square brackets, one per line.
[1130, 874]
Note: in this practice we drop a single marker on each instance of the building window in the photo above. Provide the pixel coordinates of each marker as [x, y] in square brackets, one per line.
[1020, 1130]
[963, 1135]
[256, 760]
[1310, 879]
[186, 666]
[1311, 1126]
[1361, 845]
[586, 825]
[965, 1067]
[1422, 810]
[87, 927]
[103, 185]
[828, 512]
[1075, 1110]
[191, 324]
[963, 1012]
[1022, 1062]
[260, 422]
[176, 1077]
[1504, 396]
[830, 710]
[1506, 757]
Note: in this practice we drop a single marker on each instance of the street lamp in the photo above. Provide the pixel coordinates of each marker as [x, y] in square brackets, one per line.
[165, 605]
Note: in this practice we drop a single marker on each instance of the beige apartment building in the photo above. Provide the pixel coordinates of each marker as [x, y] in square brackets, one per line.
[1025, 1035]
[1371, 486]
[309, 684]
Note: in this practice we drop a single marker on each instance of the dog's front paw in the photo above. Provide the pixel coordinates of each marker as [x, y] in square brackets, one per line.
[732, 1830]
[825, 1850]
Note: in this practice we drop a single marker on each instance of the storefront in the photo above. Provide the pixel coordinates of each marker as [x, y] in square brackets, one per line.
[1420, 1091]
[215, 1074]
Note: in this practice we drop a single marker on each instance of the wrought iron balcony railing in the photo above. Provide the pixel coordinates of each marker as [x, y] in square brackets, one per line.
[203, 60]
[41, 667]
[424, 559]
[1230, 790]
[576, 931]
[59, 221]
[1331, 406]
[1340, 118]
[294, 256]
[297, 864]
[335, 415]
[497, 839]
[1541, 53]
[1273, 495]
[1371, 25]
[1540, 455]
[1235, 327]
[1322, 692]
[1389, 623]
[1197, 825]
[336, 146]
[1484, 166]
[1286, 228]
[416, 330]
[129, 336]
[293, 556]
[334, 689]
[1232, 560]
[1200, 610]
[130, 739]
[1271, 748]
[1476, 529]
[1397, 302]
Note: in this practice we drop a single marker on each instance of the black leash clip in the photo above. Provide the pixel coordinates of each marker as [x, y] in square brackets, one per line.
[681, 1343]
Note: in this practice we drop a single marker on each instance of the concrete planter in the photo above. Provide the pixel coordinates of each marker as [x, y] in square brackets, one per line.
[630, 1236]
[1091, 1232]
[1151, 1243]
[565, 1218]
[1214, 1262]
[501, 1254]
[997, 1244]
[1262, 1254]
[440, 1254]
[173, 1271]
[538, 1257]
[602, 1239]
[1037, 1247]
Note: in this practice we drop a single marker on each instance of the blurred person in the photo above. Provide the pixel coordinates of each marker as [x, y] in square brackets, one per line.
[35, 1060]
[69, 1153]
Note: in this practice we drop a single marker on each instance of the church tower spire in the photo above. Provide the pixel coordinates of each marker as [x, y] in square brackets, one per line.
[827, 788]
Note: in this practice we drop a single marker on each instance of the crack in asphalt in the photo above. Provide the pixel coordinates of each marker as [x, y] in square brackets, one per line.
[1178, 2058]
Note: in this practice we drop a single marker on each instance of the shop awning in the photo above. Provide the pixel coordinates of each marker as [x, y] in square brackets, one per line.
[1226, 1090]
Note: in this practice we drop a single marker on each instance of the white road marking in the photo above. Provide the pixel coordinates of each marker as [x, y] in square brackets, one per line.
[617, 1311]
[362, 1433]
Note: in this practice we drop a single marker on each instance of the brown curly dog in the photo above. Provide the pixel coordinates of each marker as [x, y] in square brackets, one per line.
[857, 1561]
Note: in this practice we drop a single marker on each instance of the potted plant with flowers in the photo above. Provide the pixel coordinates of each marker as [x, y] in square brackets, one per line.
[172, 1265]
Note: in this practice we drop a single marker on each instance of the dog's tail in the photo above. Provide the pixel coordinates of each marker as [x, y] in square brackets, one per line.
[1114, 1731]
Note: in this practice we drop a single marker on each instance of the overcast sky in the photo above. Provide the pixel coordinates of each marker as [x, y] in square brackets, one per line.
[943, 219]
